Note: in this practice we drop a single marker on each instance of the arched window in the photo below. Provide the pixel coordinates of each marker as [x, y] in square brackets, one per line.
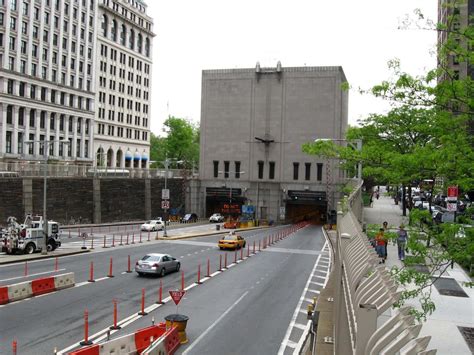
[147, 47]
[139, 43]
[123, 35]
[131, 40]
[104, 25]
[114, 31]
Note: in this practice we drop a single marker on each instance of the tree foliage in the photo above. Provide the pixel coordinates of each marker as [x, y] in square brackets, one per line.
[425, 135]
[180, 144]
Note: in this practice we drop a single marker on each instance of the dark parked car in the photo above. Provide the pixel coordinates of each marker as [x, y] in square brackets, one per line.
[189, 217]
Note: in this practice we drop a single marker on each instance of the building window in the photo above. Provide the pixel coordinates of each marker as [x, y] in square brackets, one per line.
[271, 172]
[296, 168]
[216, 168]
[43, 119]
[260, 169]
[307, 171]
[319, 172]
[78, 148]
[237, 169]
[41, 145]
[10, 86]
[33, 91]
[226, 169]
[32, 118]
[20, 142]
[9, 114]
[8, 148]
[21, 116]
[31, 146]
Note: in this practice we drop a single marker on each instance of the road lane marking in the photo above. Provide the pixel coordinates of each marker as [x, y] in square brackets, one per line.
[294, 251]
[313, 291]
[286, 340]
[37, 274]
[214, 324]
[300, 326]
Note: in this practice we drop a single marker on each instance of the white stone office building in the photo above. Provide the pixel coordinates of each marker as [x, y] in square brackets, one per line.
[47, 51]
[253, 124]
[123, 84]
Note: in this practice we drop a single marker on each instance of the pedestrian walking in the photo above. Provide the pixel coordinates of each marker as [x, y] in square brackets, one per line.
[402, 239]
[385, 229]
[380, 245]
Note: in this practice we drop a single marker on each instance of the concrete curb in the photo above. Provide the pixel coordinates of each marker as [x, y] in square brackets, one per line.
[41, 257]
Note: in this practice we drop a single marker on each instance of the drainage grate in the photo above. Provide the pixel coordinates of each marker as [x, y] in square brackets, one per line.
[449, 287]
[468, 334]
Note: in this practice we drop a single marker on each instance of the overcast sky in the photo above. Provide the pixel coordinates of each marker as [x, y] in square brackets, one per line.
[359, 35]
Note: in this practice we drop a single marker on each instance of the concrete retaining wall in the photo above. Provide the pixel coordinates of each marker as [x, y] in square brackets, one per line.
[91, 201]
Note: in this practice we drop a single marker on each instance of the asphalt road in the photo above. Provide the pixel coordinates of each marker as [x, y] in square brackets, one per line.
[246, 309]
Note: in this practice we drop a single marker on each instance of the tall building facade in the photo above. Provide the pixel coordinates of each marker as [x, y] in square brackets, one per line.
[47, 51]
[464, 12]
[75, 72]
[123, 83]
[253, 125]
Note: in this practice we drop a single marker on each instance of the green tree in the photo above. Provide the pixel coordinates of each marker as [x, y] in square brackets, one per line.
[181, 143]
[425, 135]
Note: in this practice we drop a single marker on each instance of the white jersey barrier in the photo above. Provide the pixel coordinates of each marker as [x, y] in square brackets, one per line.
[27, 289]
[140, 342]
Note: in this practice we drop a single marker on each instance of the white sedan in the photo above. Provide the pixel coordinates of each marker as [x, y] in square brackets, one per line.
[216, 217]
[151, 226]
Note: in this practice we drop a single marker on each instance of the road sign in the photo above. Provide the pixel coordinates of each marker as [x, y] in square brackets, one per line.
[177, 295]
[165, 204]
[165, 194]
[452, 193]
[282, 212]
[452, 206]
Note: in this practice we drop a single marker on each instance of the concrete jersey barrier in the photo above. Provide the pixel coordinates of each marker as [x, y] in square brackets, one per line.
[165, 340]
[27, 289]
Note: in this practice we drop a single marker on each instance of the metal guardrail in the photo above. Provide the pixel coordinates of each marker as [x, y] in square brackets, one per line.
[36, 169]
[364, 291]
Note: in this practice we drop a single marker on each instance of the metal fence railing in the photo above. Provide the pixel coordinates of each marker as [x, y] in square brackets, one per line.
[364, 291]
[36, 169]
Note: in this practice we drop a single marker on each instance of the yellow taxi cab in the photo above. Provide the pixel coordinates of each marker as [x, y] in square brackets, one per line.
[231, 241]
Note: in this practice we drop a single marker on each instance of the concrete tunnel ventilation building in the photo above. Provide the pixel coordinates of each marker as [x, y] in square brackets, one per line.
[253, 124]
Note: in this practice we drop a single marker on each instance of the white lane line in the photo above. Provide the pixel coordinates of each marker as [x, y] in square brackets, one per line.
[214, 324]
[102, 279]
[286, 340]
[313, 291]
[82, 284]
[318, 283]
[292, 344]
[38, 273]
[303, 311]
[300, 326]
[319, 277]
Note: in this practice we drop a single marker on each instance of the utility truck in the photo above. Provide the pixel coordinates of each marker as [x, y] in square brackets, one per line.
[29, 236]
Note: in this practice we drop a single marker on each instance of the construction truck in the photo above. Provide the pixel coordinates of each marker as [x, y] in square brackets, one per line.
[29, 236]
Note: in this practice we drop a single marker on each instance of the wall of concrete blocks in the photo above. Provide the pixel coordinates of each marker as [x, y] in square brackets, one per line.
[87, 199]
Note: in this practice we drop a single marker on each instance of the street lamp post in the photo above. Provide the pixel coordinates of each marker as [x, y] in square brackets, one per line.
[354, 143]
[166, 163]
[46, 144]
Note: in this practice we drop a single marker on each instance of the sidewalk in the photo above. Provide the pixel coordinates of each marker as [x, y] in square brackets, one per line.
[452, 312]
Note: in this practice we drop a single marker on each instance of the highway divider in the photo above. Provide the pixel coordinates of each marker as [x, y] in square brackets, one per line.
[156, 339]
[27, 289]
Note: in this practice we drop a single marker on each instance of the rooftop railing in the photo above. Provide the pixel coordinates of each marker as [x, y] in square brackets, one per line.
[36, 169]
